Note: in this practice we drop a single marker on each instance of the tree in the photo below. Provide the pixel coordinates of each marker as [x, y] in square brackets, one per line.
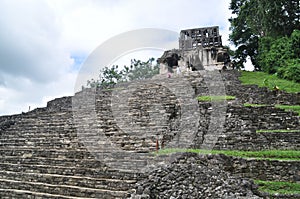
[242, 34]
[138, 70]
[281, 56]
[273, 53]
[255, 19]
[108, 77]
[290, 59]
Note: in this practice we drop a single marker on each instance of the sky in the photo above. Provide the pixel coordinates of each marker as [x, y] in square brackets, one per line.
[44, 43]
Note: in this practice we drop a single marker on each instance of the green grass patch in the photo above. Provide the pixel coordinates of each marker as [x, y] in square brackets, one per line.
[254, 105]
[277, 131]
[208, 98]
[264, 154]
[270, 81]
[295, 108]
[275, 187]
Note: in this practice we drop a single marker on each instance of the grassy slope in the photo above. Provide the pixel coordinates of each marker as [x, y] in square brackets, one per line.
[265, 154]
[275, 187]
[265, 80]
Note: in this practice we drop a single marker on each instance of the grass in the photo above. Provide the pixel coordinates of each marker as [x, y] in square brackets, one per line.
[254, 105]
[277, 131]
[275, 187]
[208, 98]
[295, 108]
[264, 154]
[270, 81]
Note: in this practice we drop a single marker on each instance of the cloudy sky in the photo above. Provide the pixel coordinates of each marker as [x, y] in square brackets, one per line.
[43, 43]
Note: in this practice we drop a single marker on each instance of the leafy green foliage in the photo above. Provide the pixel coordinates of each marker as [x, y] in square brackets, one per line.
[242, 34]
[138, 70]
[281, 56]
[253, 20]
[295, 43]
[291, 71]
[108, 78]
[265, 80]
[273, 53]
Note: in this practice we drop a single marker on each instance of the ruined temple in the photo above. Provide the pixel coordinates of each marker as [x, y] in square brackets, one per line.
[199, 49]
[200, 37]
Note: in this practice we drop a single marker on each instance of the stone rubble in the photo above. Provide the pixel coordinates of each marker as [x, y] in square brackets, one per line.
[189, 177]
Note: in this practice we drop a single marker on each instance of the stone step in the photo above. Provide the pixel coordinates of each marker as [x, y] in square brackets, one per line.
[22, 134]
[63, 160]
[282, 140]
[25, 194]
[41, 128]
[45, 153]
[62, 122]
[71, 180]
[40, 133]
[69, 165]
[256, 168]
[137, 146]
[75, 170]
[48, 120]
[42, 143]
[252, 141]
[79, 155]
[55, 141]
[66, 190]
[266, 140]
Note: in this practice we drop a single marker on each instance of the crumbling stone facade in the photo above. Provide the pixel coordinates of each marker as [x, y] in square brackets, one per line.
[200, 37]
[199, 49]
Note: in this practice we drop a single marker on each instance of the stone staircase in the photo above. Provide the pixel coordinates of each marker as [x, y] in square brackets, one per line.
[122, 125]
[41, 157]
[242, 124]
[93, 145]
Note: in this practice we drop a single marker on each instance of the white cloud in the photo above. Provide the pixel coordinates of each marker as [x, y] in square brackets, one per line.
[40, 38]
[23, 93]
[30, 41]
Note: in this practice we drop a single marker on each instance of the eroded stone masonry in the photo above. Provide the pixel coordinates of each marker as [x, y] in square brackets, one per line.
[199, 49]
[65, 150]
[42, 156]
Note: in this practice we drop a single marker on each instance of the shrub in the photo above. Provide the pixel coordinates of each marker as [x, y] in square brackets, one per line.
[291, 71]
[273, 53]
[295, 43]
